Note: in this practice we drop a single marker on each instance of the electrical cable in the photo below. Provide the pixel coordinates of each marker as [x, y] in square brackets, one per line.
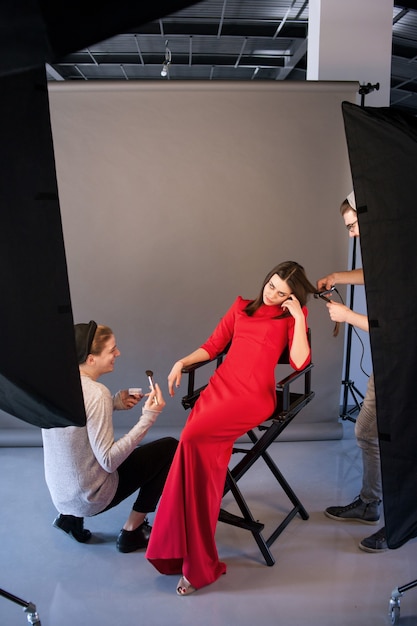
[360, 341]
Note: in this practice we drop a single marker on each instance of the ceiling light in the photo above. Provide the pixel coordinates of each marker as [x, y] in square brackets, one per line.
[167, 60]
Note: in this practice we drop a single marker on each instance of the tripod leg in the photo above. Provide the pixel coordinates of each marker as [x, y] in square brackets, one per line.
[29, 607]
[350, 386]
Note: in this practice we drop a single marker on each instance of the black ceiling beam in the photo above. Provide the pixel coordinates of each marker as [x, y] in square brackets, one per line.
[407, 51]
[232, 28]
[404, 84]
[177, 59]
[406, 4]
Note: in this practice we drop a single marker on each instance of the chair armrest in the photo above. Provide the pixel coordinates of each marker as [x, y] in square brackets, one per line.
[195, 366]
[293, 376]
[192, 393]
[284, 387]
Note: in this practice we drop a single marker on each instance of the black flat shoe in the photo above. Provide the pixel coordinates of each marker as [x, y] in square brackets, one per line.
[73, 526]
[131, 540]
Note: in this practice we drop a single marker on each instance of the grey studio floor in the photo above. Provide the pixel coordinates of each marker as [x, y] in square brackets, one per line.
[320, 577]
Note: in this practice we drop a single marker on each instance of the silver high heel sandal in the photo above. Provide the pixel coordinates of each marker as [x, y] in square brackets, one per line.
[184, 587]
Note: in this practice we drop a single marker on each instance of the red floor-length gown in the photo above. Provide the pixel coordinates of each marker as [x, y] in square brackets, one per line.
[240, 395]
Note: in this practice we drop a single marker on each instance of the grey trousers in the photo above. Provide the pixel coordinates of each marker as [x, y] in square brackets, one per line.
[366, 432]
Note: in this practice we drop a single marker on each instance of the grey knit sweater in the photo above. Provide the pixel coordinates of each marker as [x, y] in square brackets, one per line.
[81, 462]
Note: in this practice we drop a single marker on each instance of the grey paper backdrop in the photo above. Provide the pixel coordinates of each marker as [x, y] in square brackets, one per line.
[177, 197]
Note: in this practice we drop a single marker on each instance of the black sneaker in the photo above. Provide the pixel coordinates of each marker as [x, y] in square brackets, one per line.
[376, 542]
[73, 526]
[356, 511]
[131, 540]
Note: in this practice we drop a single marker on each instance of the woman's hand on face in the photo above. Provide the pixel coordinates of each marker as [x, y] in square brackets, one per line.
[130, 400]
[293, 306]
[155, 394]
[174, 377]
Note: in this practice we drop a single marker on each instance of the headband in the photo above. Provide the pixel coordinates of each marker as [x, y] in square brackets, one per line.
[84, 335]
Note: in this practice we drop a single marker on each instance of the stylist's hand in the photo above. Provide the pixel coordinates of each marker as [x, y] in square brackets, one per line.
[327, 282]
[129, 401]
[338, 312]
[174, 377]
[150, 399]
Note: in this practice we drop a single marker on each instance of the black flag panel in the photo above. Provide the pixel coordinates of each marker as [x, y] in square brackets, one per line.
[382, 145]
[39, 376]
[40, 381]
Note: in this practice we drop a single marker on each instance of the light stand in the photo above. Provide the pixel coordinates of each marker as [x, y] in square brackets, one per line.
[349, 385]
[29, 607]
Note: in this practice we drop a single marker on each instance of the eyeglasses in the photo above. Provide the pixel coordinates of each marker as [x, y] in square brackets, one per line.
[351, 226]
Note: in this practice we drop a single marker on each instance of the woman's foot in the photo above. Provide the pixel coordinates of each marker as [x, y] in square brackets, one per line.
[184, 587]
[73, 526]
[131, 540]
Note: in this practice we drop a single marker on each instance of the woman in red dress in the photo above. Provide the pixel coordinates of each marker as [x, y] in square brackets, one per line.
[239, 396]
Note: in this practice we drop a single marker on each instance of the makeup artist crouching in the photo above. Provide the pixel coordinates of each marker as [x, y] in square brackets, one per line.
[86, 470]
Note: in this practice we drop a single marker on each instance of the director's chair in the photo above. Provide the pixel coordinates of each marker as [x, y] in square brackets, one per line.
[289, 404]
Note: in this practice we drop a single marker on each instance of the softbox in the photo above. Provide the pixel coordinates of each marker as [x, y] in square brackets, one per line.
[382, 146]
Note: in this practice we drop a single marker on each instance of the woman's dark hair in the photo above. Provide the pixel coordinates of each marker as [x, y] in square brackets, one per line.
[294, 275]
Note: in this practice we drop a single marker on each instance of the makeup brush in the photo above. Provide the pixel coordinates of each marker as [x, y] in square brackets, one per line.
[149, 374]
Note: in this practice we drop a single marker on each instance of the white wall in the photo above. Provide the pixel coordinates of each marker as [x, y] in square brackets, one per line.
[177, 197]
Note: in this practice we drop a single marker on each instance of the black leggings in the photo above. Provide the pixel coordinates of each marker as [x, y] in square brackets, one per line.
[146, 468]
